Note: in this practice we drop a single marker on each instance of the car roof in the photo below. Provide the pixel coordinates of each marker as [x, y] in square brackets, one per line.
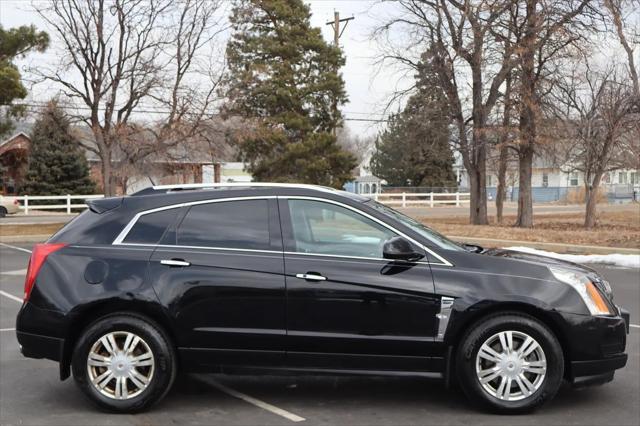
[173, 194]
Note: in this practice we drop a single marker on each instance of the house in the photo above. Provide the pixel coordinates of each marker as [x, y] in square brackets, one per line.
[558, 182]
[184, 163]
[14, 152]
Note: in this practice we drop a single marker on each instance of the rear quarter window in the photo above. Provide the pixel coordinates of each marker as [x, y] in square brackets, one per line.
[150, 227]
[230, 224]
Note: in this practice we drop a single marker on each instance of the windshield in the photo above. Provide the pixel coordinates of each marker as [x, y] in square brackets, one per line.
[433, 236]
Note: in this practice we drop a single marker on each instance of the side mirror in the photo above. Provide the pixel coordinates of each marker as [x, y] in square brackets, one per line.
[473, 248]
[397, 248]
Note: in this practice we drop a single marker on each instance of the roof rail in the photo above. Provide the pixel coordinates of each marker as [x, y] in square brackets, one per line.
[188, 186]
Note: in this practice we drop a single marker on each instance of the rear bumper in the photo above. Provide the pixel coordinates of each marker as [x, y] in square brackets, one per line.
[37, 346]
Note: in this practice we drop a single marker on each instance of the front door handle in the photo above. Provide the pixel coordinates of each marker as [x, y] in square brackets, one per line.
[311, 276]
[175, 262]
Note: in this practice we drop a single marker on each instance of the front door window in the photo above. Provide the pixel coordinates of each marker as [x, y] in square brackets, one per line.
[329, 229]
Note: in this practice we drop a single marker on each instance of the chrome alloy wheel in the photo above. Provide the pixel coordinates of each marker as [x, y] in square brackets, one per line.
[120, 365]
[511, 365]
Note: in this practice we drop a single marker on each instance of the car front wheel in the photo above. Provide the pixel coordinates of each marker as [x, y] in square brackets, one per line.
[124, 363]
[510, 363]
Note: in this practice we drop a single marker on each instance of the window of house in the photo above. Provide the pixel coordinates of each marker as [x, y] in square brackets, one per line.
[324, 228]
[545, 180]
[489, 180]
[242, 224]
[573, 179]
[622, 177]
[633, 178]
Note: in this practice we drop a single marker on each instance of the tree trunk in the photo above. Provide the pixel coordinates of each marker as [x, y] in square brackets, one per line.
[478, 195]
[527, 125]
[525, 202]
[591, 198]
[107, 174]
[501, 190]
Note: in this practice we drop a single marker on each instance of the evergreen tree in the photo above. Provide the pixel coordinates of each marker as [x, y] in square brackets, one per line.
[283, 78]
[415, 148]
[57, 165]
[15, 43]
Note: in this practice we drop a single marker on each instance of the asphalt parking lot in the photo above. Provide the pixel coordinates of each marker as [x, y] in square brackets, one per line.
[31, 393]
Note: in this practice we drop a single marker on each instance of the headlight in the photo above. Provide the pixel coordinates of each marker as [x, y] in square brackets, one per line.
[587, 290]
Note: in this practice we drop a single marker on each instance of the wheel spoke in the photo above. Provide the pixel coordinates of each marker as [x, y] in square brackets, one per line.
[527, 347]
[96, 360]
[138, 379]
[143, 360]
[121, 388]
[504, 390]
[132, 345]
[102, 380]
[525, 385]
[506, 340]
[535, 367]
[489, 354]
[488, 375]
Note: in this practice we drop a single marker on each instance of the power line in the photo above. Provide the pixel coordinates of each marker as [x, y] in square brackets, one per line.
[155, 110]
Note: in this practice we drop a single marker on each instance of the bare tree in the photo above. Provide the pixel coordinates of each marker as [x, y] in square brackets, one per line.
[600, 115]
[618, 11]
[119, 54]
[547, 28]
[466, 40]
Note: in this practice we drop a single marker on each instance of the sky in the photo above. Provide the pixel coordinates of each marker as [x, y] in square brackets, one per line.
[368, 86]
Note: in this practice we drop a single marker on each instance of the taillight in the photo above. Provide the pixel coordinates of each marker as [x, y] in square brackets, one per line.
[38, 256]
[15, 202]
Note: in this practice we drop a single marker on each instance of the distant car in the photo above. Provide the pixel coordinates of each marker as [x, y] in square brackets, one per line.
[274, 277]
[8, 205]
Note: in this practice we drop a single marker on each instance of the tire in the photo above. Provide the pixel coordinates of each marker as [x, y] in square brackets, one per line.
[520, 396]
[3, 212]
[152, 359]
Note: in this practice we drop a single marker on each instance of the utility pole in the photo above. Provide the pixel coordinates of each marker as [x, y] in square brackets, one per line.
[335, 24]
[337, 33]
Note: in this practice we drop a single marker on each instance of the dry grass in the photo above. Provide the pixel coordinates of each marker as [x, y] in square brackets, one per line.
[10, 230]
[614, 229]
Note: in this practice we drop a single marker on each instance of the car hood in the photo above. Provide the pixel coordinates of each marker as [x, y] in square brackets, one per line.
[540, 260]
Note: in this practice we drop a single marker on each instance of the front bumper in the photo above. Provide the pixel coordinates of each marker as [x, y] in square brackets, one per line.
[595, 347]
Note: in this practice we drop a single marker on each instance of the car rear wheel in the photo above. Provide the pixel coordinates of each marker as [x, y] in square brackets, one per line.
[124, 363]
[510, 363]
[3, 211]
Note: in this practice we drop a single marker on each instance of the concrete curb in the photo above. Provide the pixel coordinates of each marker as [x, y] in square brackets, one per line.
[555, 247]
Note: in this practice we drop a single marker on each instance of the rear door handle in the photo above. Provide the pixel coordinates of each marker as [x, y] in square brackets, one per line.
[311, 277]
[175, 262]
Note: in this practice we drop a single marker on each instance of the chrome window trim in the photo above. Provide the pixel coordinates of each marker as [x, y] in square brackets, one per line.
[444, 261]
[119, 240]
[123, 234]
[170, 246]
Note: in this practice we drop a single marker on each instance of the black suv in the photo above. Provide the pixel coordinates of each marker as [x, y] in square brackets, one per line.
[275, 277]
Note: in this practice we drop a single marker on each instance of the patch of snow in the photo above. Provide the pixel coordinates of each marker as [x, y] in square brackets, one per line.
[616, 259]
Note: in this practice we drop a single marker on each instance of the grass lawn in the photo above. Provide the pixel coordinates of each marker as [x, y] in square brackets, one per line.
[614, 229]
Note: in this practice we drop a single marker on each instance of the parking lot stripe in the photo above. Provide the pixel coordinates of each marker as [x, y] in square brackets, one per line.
[7, 329]
[10, 296]
[251, 400]
[634, 325]
[18, 272]
[15, 248]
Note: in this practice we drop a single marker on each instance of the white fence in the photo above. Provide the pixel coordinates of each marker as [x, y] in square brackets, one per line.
[30, 202]
[408, 199]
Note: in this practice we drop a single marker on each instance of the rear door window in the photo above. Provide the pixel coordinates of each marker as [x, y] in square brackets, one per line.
[242, 224]
[150, 227]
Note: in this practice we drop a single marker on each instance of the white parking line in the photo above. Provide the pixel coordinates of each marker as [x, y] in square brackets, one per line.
[251, 400]
[19, 272]
[634, 325]
[7, 329]
[15, 248]
[10, 296]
